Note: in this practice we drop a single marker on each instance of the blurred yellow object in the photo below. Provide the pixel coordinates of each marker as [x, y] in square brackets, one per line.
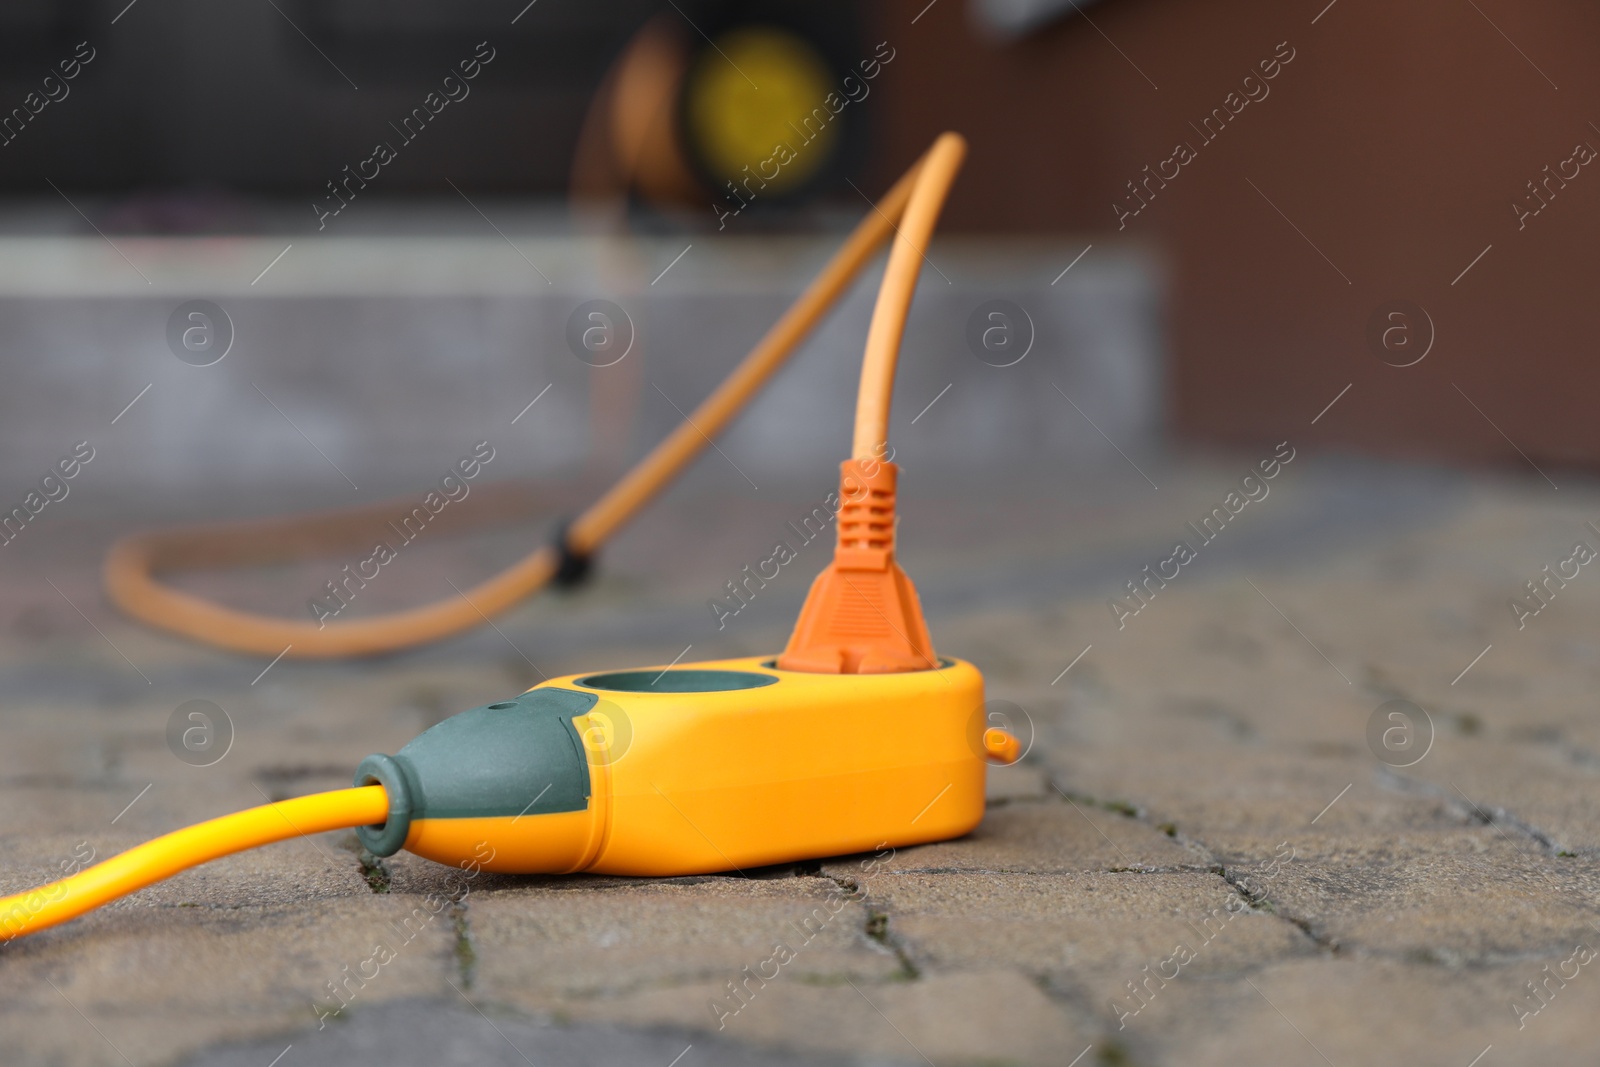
[754, 94]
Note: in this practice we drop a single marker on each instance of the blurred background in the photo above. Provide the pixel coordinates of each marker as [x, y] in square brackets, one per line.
[1211, 217]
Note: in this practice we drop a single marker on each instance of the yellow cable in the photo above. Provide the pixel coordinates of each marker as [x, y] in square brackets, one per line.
[38, 909]
[132, 563]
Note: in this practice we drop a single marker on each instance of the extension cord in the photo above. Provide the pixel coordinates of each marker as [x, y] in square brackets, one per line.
[857, 737]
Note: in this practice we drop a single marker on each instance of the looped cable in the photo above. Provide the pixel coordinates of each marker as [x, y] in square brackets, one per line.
[133, 564]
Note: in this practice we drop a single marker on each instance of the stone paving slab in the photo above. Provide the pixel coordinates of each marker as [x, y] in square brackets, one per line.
[150, 981]
[579, 941]
[978, 1016]
[459, 1034]
[1314, 1012]
[1066, 924]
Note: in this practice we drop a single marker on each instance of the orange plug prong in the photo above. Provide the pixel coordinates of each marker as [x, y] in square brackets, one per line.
[862, 615]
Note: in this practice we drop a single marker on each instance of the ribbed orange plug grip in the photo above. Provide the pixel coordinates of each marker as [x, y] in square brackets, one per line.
[862, 615]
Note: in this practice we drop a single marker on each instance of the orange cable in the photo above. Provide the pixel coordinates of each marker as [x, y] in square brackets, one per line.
[938, 172]
[132, 563]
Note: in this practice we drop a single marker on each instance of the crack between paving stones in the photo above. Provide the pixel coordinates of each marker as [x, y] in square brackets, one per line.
[1118, 807]
[1006, 802]
[1262, 904]
[1483, 814]
[1328, 945]
[1258, 902]
[465, 948]
[1111, 1049]
[374, 871]
[876, 927]
[1489, 816]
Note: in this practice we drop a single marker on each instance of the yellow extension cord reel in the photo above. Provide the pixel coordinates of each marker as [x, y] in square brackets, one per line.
[858, 736]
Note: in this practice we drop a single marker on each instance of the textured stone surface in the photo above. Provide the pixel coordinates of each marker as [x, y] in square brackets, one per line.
[1200, 860]
[576, 940]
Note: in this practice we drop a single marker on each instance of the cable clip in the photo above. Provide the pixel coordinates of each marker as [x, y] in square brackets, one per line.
[572, 566]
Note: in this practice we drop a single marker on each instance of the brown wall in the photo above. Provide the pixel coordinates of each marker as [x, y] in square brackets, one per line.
[1396, 139]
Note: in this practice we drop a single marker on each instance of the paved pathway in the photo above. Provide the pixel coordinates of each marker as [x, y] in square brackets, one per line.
[1202, 859]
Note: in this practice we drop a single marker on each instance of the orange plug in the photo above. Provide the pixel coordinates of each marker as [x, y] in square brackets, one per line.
[862, 615]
